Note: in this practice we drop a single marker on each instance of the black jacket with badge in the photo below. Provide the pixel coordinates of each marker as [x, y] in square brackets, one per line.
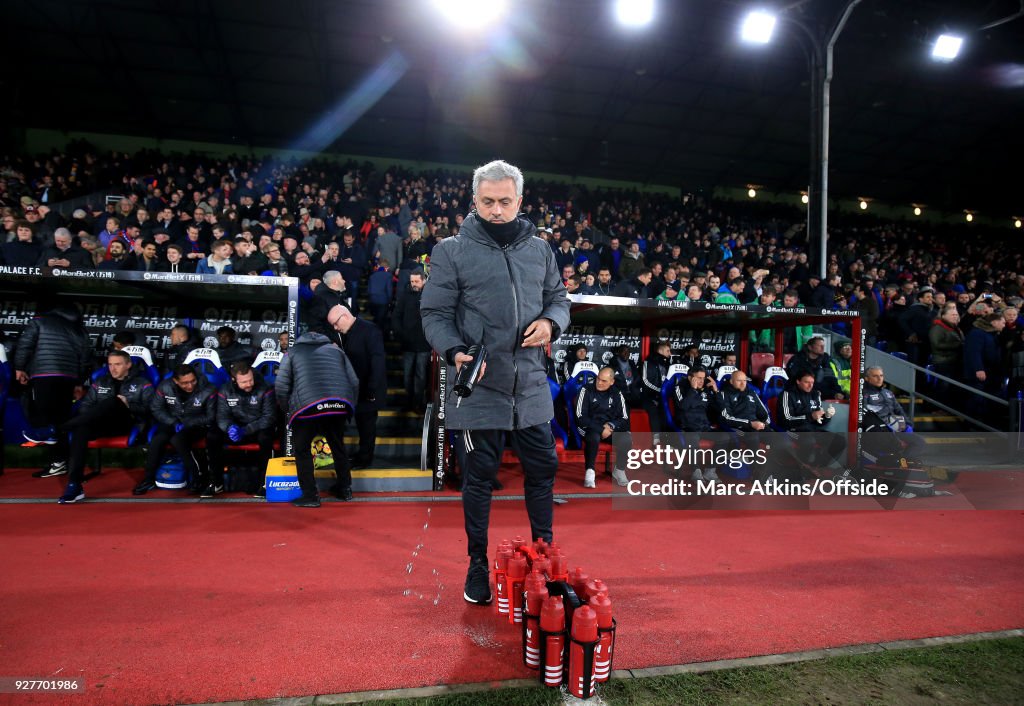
[481, 292]
[171, 406]
[652, 375]
[881, 402]
[364, 346]
[137, 391]
[594, 409]
[255, 410]
[796, 407]
[693, 407]
[740, 408]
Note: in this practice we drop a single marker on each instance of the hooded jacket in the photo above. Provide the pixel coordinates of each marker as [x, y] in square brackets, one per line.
[480, 292]
[316, 379]
[55, 345]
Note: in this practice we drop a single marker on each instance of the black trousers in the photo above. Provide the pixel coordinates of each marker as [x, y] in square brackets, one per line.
[50, 400]
[819, 448]
[182, 442]
[656, 414]
[332, 428]
[479, 452]
[621, 441]
[108, 418]
[366, 425]
[217, 443]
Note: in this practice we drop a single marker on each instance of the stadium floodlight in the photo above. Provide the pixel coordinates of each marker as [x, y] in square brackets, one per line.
[1016, 223]
[634, 13]
[917, 210]
[758, 27]
[752, 192]
[472, 13]
[863, 205]
[969, 217]
[805, 198]
[947, 47]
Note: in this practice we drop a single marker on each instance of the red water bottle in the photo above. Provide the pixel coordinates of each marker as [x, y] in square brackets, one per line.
[536, 593]
[581, 652]
[540, 546]
[594, 586]
[559, 566]
[516, 574]
[554, 548]
[602, 605]
[552, 626]
[543, 565]
[518, 543]
[501, 576]
[578, 580]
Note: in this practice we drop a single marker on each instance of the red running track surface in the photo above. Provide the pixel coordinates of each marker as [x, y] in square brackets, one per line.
[158, 603]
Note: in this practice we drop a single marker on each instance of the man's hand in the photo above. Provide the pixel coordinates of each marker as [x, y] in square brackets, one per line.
[21, 376]
[757, 425]
[712, 383]
[461, 358]
[607, 431]
[980, 375]
[124, 400]
[537, 334]
[817, 414]
[840, 396]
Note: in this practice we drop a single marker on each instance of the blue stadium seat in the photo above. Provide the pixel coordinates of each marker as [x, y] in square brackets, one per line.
[556, 399]
[142, 360]
[676, 375]
[267, 363]
[206, 361]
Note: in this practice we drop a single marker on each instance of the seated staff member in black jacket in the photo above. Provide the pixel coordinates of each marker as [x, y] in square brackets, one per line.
[113, 404]
[695, 398]
[803, 416]
[317, 387]
[602, 415]
[246, 412]
[363, 343]
[743, 411]
[184, 410]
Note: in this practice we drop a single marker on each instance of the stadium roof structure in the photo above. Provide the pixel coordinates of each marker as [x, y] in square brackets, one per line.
[557, 87]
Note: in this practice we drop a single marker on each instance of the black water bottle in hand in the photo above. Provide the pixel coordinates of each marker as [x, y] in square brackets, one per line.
[467, 376]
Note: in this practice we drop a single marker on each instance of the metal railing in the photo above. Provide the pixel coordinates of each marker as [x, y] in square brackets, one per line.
[903, 374]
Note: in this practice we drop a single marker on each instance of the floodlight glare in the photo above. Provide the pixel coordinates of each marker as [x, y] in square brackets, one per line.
[970, 217]
[751, 193]
[917, 210]
[470, 13]
[634, 13]
[947, 47]
[804, 198]
[863, 205]
[1017, 223]
[758, 27]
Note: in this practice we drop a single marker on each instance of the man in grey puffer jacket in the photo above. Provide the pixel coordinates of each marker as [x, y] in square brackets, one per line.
[496, 283]
[53, 357]
[317, 387]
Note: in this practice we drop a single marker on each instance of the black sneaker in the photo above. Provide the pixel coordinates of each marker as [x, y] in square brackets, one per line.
[57, 468]
[307, 501]
[143, 487]
[343, 494]
[72, 494]
[355, 462]
[261, 493]
[478, 582]
[208, 491]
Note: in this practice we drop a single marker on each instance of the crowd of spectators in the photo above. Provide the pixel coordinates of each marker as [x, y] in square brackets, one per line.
[945, 295]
